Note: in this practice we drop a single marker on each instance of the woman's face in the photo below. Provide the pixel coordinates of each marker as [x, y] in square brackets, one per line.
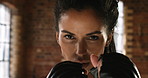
[81, 33]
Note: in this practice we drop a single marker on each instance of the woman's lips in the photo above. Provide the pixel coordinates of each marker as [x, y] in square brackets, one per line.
[84, 65]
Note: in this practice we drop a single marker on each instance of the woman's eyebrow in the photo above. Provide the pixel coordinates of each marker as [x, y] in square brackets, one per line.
[95, 32]
[65, 31]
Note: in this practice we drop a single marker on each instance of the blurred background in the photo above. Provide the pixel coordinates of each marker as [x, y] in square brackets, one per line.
[28, 48]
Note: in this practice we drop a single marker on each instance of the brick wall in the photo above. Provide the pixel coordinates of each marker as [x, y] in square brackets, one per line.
[34, 49]
[137, 33]
[42, 51]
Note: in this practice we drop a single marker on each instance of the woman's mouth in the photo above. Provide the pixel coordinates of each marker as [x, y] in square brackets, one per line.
[84, 65]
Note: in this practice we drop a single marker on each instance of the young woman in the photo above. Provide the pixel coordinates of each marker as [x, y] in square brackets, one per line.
[84, 31]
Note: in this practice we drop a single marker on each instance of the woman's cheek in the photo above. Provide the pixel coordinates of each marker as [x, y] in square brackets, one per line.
[67, 48]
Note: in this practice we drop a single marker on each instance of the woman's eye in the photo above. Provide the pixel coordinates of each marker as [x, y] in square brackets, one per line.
[93, 38]
[69, 37]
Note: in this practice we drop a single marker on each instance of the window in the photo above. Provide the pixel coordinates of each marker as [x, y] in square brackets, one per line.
[4, 41]
[119, 30]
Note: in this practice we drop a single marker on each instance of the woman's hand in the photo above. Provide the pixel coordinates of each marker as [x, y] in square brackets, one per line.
[96, 63]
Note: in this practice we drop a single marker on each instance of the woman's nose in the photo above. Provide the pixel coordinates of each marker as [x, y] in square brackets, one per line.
[81, 48]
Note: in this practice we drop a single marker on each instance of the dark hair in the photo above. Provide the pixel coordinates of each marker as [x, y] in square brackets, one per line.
[106, 9]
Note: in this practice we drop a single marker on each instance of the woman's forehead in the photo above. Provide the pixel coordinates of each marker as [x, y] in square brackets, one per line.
[80, 22]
